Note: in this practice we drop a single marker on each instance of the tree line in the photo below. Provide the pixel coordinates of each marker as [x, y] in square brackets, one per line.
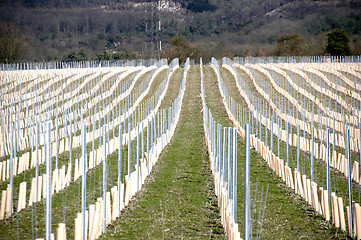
[67, 30]
[13, 46]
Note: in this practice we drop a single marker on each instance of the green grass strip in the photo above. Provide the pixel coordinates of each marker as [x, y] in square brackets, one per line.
[178, 200]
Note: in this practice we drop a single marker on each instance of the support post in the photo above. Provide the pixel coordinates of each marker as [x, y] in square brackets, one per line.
[247, 209]
[83, 187]
[105, 179]
[48, 219]
[312, 149]
[235, 174]
[11, 170]
[119, 167]
[298, 147]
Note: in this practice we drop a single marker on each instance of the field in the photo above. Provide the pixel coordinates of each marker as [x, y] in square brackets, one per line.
[157, 150]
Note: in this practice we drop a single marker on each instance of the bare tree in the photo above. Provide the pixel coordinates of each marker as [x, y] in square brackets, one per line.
[12, 43]
[291, 45]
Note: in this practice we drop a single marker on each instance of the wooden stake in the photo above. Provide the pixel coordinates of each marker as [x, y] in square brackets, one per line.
[327, 208]
[334, 210]
[341, 214]
[3, 204]
[61, 232]
[357, 219]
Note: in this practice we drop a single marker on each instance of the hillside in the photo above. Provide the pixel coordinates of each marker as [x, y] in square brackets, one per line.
[60, 29]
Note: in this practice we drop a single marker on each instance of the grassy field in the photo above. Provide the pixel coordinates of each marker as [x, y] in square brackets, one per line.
[165, 200]
[177, 200]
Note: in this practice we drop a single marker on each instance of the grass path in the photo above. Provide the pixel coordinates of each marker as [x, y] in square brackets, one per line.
[178, 200]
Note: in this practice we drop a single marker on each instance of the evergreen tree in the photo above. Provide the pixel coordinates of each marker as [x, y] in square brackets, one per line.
[338, 43]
